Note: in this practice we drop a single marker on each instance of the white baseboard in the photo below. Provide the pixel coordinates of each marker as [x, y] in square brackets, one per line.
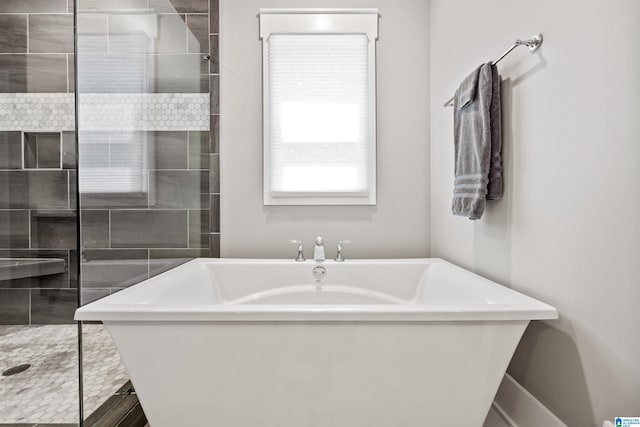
[518, 408]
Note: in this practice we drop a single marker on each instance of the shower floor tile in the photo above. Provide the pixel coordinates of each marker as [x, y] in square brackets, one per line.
[47, 392]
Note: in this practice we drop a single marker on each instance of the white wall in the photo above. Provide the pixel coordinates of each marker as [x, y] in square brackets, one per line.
[567, 231]
[399, 225]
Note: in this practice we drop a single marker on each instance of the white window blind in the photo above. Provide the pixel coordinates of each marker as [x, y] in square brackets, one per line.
[319, 112]
[319, 105]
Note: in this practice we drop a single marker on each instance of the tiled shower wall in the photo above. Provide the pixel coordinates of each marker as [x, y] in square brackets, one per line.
[126, 237]
[37, 183]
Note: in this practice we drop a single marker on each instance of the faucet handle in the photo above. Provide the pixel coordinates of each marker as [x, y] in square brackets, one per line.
[300, 256]
[339, 256]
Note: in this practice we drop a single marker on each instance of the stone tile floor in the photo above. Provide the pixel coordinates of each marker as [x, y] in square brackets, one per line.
[47, 392]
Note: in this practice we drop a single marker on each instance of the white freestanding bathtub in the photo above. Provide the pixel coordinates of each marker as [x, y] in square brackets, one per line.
[256, 343]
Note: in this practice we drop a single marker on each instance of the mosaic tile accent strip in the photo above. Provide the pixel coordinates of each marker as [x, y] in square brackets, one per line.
[37, 112]
[144, 111]
[42, 112]
[47, 392]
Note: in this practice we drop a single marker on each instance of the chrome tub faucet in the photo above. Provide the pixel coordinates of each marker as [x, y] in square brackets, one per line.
[300, 246]
[318, 253]
[339, 256]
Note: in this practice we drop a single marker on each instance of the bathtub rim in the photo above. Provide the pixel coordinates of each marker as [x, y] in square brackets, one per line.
[103, 310]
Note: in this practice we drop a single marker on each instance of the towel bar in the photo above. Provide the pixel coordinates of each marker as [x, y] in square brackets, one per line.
[533, 44]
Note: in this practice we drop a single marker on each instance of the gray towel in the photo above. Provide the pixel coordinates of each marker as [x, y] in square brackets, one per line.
[478, 142]
[494, 188]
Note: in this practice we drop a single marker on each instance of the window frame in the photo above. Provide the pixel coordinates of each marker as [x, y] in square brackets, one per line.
[319, 21]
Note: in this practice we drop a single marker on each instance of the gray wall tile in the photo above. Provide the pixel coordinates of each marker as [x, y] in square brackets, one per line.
[93, 32]
[160, 254]
[33, 6]
[71, 76]
[51, 33]
[53, 229]
[161, 260]
[215, 213]
[68, 150]
[177, 189]
[33, 189]
[214, 53]
[95, 228]
[49, 145]
[172, 72]
[33, 73]
[198, 39]
[113, 73]
[168, 150]
[198, 150]
[53, 306]
[107, 268]
[46, 73]
[42, 150]
[214, 13]
[114, 200]
[180, 6]
[37, 282]
[30, 155]
[72, 269]
[10, 150]
[94, 153]
[14, 306]
[111, 5]
[149, 229]
[214, 245]
[214, 173]
[90, 295]
[13, 33]
[175, 73]
[128, 33]
[214, 92]
[14, 229]
[214, 131]
[199, 228]
[172, 34]
[73, 192]
[205, 200]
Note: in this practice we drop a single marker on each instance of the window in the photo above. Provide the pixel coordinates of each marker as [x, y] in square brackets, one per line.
[319, 106]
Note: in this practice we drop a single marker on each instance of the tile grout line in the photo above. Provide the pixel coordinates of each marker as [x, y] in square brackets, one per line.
[28, 44]
[189, 150]
[211, 133]
[29, 224]
[33, 13]
[109, 223]
[186, 32]
[68, 86]
[109, 33]
[115, 53]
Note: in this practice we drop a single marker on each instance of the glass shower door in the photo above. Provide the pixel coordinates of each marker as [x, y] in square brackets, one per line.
[38, 227]
[143, 135]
